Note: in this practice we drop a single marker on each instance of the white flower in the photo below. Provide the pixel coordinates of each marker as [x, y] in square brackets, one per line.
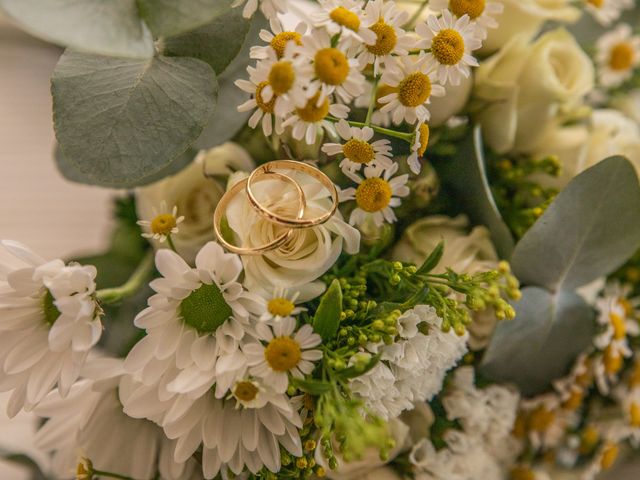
[281, 303]
[262, 103]
[413, 368]
[616, 321]
[411, 79]
[163, 223]
[344, 17]
[449, 42]
[376, 195]
[385, 19]
[284, 353]
[481, 13]
[49, 320]
[270, 8]
[306, 121]
[278, 39]
[618, 55]
[607, 11]
[418, 147]
[358, 150]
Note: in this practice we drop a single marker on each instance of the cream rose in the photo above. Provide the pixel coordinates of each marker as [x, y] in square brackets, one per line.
[629, 104]
[195, 195]
[526, 86]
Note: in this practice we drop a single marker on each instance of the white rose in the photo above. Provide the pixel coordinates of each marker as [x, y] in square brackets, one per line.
[629, 104]
[526, 86]
[195, 195]
[443, 108]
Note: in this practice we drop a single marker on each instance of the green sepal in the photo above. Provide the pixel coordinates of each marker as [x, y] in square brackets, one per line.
[327, 317]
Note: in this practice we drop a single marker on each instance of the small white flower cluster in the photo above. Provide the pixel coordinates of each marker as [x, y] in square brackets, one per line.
[617, 56]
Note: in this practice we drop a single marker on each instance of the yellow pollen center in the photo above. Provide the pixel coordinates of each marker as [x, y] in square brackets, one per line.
[609, 456]
[574, 400]
[346, 18]
[386, 39]
[448, 47]
[266, 107]
[596, 3]
[634, 379]
[282, 354]
[313, 113]
[522, 473]
[163, 224]
[618, 324]
[473, 8]
[373, 194]
[424, 138]
[627, 306]
[279, 41]
[589, 440]
[414, 90]
[621, 57]
[245, 391]
[383, 91]
[541, 419]
[280, 307]
[358, 151]
[281, 77]
[612, 360]
[634, 414]
[331, 66]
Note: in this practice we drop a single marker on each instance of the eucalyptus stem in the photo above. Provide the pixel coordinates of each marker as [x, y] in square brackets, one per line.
[372, 102]
[407, 137]
[138, 277]
[101, 473]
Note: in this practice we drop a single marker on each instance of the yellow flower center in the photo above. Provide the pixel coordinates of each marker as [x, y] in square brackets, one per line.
[279, 41]
[358, 151]
[522, 473]
[245, 391]
[589, 440]
[520, 426]
[313, 113]
[618, 324]
[331, 66]
[621, 57]
[634, 379]
[280, 307]
[386, 39]
[473, 8]
[609, 456]
[612, 360]
[84, 469]
[163, 224]
[414, 90]
[282, 354]
[627, 306]
[448, 47]
[383, 91]
[596, 3]
[574, 400]
[281, 77]
[541, 419]
[423, 131]
[266, 107]
[373, 194]
[346, 18]
[634, 414]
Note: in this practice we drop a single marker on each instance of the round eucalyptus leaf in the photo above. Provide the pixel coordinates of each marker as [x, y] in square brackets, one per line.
[167, 18]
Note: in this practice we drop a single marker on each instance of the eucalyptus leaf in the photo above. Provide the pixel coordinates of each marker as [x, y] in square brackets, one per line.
[167, 18]
[327, 317]
[591, 228]
[121, 121]
[542, 342]
[104, 27]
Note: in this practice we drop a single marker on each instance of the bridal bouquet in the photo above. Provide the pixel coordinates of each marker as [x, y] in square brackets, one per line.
[353, 239]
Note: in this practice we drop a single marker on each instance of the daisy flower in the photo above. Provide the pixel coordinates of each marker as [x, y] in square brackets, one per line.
[344, 17]
[263, 103]
[376, 195]
[270, 8]
[412, 80]
[385, 20]
[480, 12]
[164, 223]
[449, 42]
[418, 147]
[284, 352]
[281, 303]
[607, 11]
[49, 322]
[306, 121]
[618, 55]
[278, 40]
[615, 316]
[358, 150]
[378, 117]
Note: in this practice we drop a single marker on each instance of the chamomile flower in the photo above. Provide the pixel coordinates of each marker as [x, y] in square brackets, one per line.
[418, 147]
[618, 55]
[306, 121]
[615, 317]
[413, 88]
[376, 196]
[263, 103]
[482, 13]
[449, 42]
[378, 117]
[608, 364]
[282, 351]
[385, 19]
[282, 303]
[284, 83]
[344, 17]
[278, 40]
[164, 223]
[607, 11]
[358, 150]
[270, 8]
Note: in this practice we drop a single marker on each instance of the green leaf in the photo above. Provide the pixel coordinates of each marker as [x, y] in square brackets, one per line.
[591, 228]
[542, 342]
[432, 260]
[327, 318]
[167, 18]
[216, 43]
[120, 121]
[314, 387]
[104, 27]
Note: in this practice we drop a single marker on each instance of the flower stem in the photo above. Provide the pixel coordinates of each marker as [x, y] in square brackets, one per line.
[416, 16]
[407, 137]
[372, 102]
[172, 245]
[138, 277]
[101, 473]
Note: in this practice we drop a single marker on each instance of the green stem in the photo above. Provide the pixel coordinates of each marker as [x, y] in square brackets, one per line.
[100, 473]
[138, 277]
[407, 137]
[172, 246]
[414, 18]
[372, 102]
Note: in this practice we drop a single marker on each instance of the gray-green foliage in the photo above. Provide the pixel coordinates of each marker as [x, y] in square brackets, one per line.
[591, 228]
[167, 18]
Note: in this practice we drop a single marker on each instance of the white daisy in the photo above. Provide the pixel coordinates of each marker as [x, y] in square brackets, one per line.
[282, 352]
[615, 315]
[344, 17]
[618, 55]
[270, 8]
[163, 224]
[385, 19]
[262, 103]
[607, 11]
[306, 121]
[282, 303]
[482, 13]
[418, 147]
[358, 150]
[382, 119]
[278, 40]
[49, 320]
[411, 79]
[376, 196]
[329, 68]
[449, 43]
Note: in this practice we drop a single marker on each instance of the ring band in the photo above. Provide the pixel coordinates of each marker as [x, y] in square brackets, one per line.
[298, 222]
[231, 193]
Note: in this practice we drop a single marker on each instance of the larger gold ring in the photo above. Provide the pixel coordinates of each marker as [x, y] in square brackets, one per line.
[231, 193]
[297, 222]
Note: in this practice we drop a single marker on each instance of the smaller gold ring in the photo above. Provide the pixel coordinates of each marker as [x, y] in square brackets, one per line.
[301, 167]
[231, 193]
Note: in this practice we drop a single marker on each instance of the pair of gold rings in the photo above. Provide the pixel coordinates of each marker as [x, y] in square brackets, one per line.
[266, 172]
